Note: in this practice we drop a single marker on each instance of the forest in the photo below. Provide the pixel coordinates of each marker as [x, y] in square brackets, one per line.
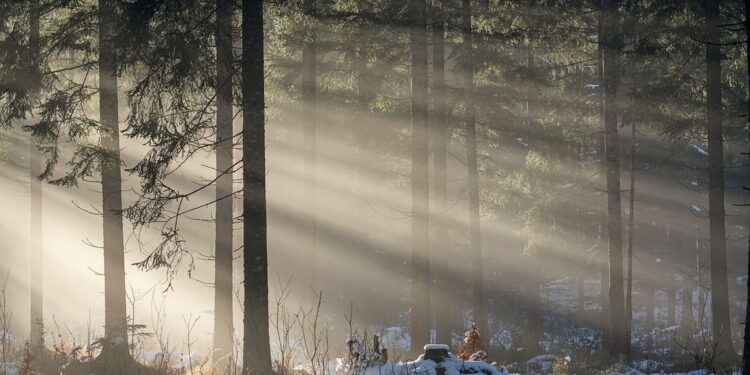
[374, 187]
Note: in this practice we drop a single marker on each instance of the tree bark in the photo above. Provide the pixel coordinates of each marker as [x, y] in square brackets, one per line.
[671, 303]
[746, 344]
[477, 274]
[603, 267]
[649, 306]
[534, 329]
[719, 284]
[309, 91]
[36, 335]
[420, 263]
[115, 317]
[581, 292]
[256, 350]
[631, 202]
[223, 292]
[687, 324]
[611, 44]
[439, 124]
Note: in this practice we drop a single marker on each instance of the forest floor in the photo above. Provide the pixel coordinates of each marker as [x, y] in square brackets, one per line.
[570, 345]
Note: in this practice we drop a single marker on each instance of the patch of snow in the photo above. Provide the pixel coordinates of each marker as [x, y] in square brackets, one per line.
[421, 366]
[502, 338]
[742, 280]
[6, 336]
[395, 338]
[700, 149]
[436, 347]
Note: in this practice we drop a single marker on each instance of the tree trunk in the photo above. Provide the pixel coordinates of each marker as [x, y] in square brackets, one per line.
[445, 311]
[603, 287]
[115, 317]
[719, 284]
[36, 335]
[687, 324]
[648, 290]
[631, 208]
[581, 292]
[603, 268]
[223, 292]
[746, 345]
[534, 311]
[256, 350]
[611, 44]
[420, 262]
[477, 274]
[671, 303]
[309, 91]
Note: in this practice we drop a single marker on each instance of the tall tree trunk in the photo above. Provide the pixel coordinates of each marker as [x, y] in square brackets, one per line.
[477, 274]
[746, 345]
[36, 335]
[581, 292]
[671, 303]
[611, 44]
[309, 91]
[687, 324]
[603, 268]
[648, 290]
[719, 284]
[256, 356]
[115, 317]
[631, 202]
[223, 292]
[440, 198]
[533, 287]
[420, 262]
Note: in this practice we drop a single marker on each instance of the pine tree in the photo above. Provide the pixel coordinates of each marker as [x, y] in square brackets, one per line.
[420, 261]
[477, 274]
[115, 324]
[439, 154]
[36, 336]
[256, 356]
[719, 287]
[308, 96]
[611, 45]
[223, 290]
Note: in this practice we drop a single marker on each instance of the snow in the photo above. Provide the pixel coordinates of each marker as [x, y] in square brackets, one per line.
[395, 338]
[700, 149]
[436, 347]
[6, 336]
[742, 280]
[421, 366]
[9, 369]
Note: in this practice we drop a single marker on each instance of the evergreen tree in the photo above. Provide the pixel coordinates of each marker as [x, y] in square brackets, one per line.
[256, 356]
[420, 261]
[224, 252]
